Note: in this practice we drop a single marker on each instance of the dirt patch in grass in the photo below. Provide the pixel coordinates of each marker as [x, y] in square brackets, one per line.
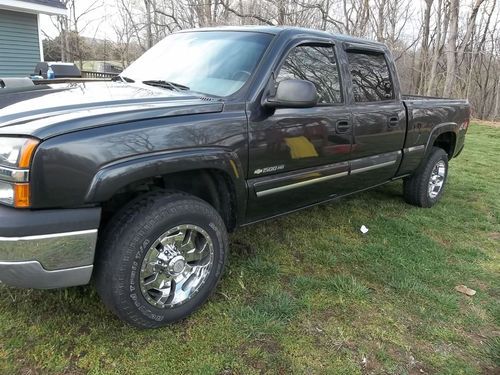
[494, 236]
[258, 354]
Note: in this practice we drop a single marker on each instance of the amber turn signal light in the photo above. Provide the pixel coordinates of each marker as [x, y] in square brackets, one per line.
[27, 153]
[21, 195]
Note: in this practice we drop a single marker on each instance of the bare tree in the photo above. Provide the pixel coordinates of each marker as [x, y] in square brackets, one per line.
[451, 48]
[447, 47]
[424, 49]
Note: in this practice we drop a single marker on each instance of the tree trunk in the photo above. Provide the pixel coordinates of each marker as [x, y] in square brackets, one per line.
[451, 49]
[281, 12]
[62, 38]
[149, 33]
[442, 30]
[77, 36]
[496, 111]
[424, 54]
[381, 20]
[68, 56]
[470, 28]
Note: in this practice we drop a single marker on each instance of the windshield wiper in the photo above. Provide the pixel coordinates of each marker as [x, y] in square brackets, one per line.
[166, 85]
[122, 78]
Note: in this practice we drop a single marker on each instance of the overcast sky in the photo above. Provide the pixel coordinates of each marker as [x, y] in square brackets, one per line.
[97, 23]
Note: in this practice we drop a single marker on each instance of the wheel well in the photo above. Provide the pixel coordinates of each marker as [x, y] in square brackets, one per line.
[213, 186]
[447, 142]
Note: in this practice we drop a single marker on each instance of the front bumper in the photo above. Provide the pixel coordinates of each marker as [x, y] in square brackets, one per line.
[31, 274]
[48, 248]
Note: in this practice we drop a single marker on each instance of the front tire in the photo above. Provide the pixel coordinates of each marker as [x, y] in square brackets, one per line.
[161, 258]
[426, 186]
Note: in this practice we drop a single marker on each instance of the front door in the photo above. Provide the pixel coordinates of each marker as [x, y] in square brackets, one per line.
[299, 156]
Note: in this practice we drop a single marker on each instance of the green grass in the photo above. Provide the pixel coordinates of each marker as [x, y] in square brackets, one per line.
[309, 293]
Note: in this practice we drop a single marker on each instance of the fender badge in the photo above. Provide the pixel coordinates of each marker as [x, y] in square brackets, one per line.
[274, 168]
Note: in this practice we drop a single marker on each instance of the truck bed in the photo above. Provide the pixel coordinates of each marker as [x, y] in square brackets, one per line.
[426, 114]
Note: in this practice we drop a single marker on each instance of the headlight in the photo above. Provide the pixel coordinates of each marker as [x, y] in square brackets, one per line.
[17, 195]
[16, 152]
[7, 193]
[15, 160]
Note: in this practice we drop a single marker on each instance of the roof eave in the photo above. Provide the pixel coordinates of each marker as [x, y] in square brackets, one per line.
[26, 7]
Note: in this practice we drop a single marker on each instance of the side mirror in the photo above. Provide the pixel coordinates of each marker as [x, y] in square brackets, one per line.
[294, 93]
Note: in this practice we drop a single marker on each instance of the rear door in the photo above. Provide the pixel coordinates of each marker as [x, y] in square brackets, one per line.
[299, 156]
[379, 118]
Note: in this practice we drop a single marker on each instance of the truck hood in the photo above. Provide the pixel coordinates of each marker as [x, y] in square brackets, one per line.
[61, 108]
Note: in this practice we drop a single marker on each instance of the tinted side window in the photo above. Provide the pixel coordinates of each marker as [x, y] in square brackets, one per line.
[370, 77]
[318, 65]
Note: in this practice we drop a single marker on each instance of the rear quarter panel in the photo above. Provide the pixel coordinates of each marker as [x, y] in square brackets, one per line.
[427, 119]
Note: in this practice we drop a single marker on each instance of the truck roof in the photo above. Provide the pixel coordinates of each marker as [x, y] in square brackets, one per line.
[290, 29]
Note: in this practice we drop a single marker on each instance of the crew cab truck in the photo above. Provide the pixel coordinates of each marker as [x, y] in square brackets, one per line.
[136, 182]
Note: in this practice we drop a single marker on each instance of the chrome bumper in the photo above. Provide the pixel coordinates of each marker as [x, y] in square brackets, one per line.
[31, 274]
[52, 251]
[52, 260]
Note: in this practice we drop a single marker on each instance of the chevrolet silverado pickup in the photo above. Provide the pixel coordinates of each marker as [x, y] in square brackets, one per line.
[136, 182]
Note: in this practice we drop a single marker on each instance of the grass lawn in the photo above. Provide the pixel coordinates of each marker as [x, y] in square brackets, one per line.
[308, 293]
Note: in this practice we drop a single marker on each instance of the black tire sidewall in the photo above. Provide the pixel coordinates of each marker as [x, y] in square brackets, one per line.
[140, 234]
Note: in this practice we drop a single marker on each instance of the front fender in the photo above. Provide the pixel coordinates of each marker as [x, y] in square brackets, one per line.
[116, 175]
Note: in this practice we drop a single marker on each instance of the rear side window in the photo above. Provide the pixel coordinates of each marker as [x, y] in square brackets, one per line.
[318, 65]
[371, 79]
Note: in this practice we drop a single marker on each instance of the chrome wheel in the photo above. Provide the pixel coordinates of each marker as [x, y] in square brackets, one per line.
[176, 266]
[436, 181]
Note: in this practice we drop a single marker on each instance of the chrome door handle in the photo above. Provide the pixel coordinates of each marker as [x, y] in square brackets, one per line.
[342, 126]
[393, 122]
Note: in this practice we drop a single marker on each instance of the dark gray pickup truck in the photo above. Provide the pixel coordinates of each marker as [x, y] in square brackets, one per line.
[136, 182]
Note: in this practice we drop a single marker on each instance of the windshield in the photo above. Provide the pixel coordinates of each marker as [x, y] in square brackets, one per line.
[214, 63]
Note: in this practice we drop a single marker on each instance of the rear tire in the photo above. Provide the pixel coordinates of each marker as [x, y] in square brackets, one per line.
[160, 259]
[426, 186]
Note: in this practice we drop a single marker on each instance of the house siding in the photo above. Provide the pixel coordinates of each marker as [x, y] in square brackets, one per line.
[19, 43]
